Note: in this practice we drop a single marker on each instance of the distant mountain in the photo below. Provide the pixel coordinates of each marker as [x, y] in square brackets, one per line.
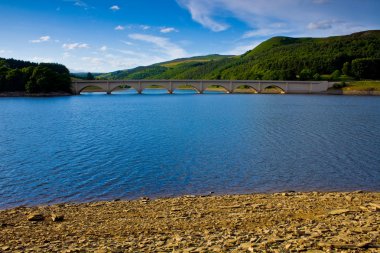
[278, 58]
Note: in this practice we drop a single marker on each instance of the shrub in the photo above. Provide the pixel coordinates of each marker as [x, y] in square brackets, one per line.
[335, 75]
[305, 74]
[366, 68]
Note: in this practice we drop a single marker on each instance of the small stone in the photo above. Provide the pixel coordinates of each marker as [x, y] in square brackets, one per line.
[339, 211]
[246, 245]
[375, 206]
[348, 198]
[5, 248]
[57, 217]
[35, 217]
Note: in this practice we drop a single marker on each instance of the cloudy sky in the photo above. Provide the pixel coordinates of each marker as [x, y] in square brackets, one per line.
[108, 35]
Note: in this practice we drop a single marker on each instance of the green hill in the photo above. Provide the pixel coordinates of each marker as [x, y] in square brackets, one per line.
[278, 58]
[164, 70]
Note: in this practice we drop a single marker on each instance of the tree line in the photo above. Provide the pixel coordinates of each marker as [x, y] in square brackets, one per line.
[29, 77]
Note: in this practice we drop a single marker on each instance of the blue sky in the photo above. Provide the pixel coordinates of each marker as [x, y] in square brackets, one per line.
[108, 35]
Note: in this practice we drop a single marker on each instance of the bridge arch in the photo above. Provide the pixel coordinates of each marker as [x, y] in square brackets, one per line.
[116, 86]
[154, 86]
[226, 89]
[266, 88]
[91, 85]
[255, 90]
[178, 87]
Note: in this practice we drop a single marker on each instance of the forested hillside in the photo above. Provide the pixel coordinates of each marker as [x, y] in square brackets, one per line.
[279, 58]
[164, 70]
[24, 76]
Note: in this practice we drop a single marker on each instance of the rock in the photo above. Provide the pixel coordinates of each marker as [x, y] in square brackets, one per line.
[145, 200]
[339, 211]
[246, 245]
[348, 198]
[5, 248]
[35, 217]
[375, 206]
[231, 223]
[57, 217]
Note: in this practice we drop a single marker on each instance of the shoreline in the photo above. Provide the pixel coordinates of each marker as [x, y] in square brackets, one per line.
[271, 222]
[329, 92]
[24, 94]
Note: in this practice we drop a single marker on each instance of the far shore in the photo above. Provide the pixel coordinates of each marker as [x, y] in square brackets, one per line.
[24, 94]
[351, 92]
[278, 222]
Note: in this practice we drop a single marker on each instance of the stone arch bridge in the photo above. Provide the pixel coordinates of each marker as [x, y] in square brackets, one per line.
[201, 85]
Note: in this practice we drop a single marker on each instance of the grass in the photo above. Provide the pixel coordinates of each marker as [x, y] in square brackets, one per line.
[363, 86]
[173, 64]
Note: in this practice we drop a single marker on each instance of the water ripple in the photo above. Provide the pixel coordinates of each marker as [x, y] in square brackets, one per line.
[95, 147]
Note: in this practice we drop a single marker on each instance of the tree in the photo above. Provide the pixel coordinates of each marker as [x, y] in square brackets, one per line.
[317, 77]
[335, 75]
[14, 80]
[90, 76]
[43, 79]
[366, 68]
[305, 74]
[346, 68]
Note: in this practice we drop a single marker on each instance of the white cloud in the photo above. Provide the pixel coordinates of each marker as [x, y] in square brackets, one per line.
[111, 62]
[144, 27]
[72, 46]
[41, 39]
[201, 12]
[3, 51]
[127, 42]
[168, 29]
[119, 28]
[322, 24]
[41, 59]
[260, 14]
[264, 32]
[164, 45]
[241, 49]
[103, 48]
[115, 8]
[66, 55]
[78, 3]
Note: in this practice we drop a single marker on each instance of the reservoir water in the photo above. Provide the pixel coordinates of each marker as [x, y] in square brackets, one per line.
[102, 147]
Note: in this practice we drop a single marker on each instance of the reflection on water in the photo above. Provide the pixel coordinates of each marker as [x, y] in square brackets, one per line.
[125, 145]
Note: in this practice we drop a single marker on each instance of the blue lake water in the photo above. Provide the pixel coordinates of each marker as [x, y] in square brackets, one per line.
[102, 147]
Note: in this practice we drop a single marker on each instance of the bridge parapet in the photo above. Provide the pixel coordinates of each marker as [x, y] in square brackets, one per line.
[201, 85]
